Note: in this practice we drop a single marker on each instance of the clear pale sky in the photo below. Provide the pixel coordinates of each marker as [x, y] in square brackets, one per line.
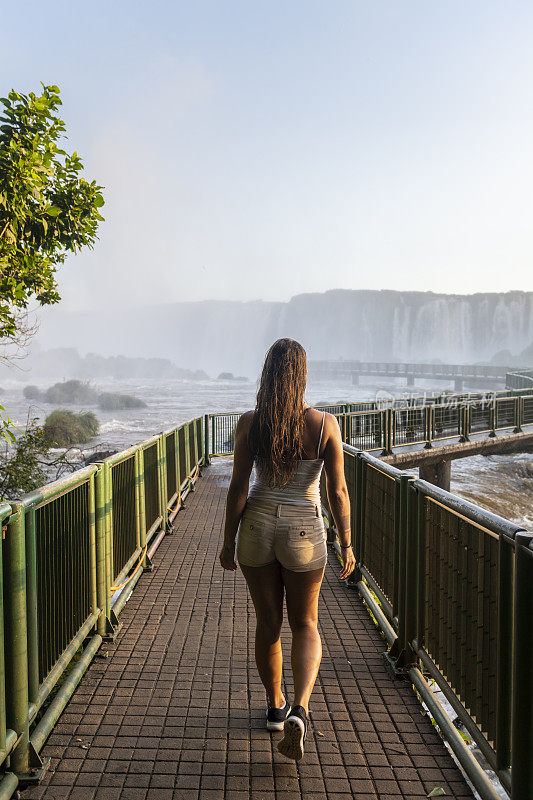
[263, 149]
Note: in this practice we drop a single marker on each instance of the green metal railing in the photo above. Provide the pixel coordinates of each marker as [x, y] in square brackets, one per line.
[450, 585]
[382, 429]
[70, 554]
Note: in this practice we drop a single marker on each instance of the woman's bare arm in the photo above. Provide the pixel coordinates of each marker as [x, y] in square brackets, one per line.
[339, 500]
[240, 479]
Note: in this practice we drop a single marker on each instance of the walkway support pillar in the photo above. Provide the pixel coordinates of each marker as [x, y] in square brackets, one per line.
[458, 384]
[438, 473]
[355, 379]
[411, 380]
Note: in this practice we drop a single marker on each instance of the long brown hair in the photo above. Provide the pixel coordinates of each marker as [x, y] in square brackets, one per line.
[277, 427]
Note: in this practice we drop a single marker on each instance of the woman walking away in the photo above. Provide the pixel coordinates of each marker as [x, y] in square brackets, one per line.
[281, 546]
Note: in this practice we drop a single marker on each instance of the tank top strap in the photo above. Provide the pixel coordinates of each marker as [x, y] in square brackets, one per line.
[321, 432]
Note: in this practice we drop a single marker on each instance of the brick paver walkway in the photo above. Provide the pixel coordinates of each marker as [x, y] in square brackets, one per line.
[174, 707]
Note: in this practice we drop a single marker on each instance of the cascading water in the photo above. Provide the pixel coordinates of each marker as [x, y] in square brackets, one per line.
[221, 336]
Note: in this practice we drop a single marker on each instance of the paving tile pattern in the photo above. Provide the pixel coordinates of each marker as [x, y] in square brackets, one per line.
[174, 709]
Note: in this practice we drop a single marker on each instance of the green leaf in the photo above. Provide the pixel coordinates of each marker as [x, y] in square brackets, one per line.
[98, 200]
[438, 791]
[53, 211]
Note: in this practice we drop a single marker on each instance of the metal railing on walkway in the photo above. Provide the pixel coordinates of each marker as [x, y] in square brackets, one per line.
[450, 585]
[371, 428]
[69, 556]
[522, 379]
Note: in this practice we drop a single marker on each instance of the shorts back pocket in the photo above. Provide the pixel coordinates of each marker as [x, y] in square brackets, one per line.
[312, 531]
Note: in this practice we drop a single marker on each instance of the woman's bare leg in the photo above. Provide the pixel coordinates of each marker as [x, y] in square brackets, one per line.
[302, 590]
[266, 589]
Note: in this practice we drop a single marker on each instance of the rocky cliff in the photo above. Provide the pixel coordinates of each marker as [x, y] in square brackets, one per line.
[369, 325]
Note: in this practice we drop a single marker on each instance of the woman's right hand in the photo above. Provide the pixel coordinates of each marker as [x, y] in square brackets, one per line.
[348, 562]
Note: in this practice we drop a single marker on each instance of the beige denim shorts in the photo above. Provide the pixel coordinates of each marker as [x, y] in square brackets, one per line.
[293, 535]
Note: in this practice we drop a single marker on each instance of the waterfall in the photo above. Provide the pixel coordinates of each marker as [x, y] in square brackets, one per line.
[366, 325]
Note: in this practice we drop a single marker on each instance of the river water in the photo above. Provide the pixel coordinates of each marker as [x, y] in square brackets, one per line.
[503, 484]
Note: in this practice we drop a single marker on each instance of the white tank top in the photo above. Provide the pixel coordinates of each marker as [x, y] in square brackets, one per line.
[303, 487]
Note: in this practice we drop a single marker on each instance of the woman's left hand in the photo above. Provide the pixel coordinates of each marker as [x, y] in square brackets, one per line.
[227, 557]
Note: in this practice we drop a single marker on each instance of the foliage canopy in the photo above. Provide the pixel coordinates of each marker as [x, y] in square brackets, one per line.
[46, 208]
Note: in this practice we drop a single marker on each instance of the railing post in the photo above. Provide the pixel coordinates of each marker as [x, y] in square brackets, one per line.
[92, 546]
[429, 425]
[199, 428]
[396, 577]
[518, 414]
[466, 418]
[137, 501]
[504, 643]
[16, 640]
[142, 504]
[102, 586]
[31, 602]
[411, 573]
[112, 623]
[206, 440]
[212, 438]
[356, 505]
[178, 461]
[187, 449]
[177, 464]
[362, 510]
[109, 523]
[522, 733]
[401, 654]
[493, 417]
[196, 444]
[421, 567]
[390, 433]
[162, 471]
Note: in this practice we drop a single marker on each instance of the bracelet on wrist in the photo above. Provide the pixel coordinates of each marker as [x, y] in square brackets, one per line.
[345, 546]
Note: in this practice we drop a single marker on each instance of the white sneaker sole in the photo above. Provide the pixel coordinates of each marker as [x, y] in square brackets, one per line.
[276, 726]
[292, 744]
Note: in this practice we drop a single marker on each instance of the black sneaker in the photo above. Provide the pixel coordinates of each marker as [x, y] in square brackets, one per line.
[294, 733]
[276, 716]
